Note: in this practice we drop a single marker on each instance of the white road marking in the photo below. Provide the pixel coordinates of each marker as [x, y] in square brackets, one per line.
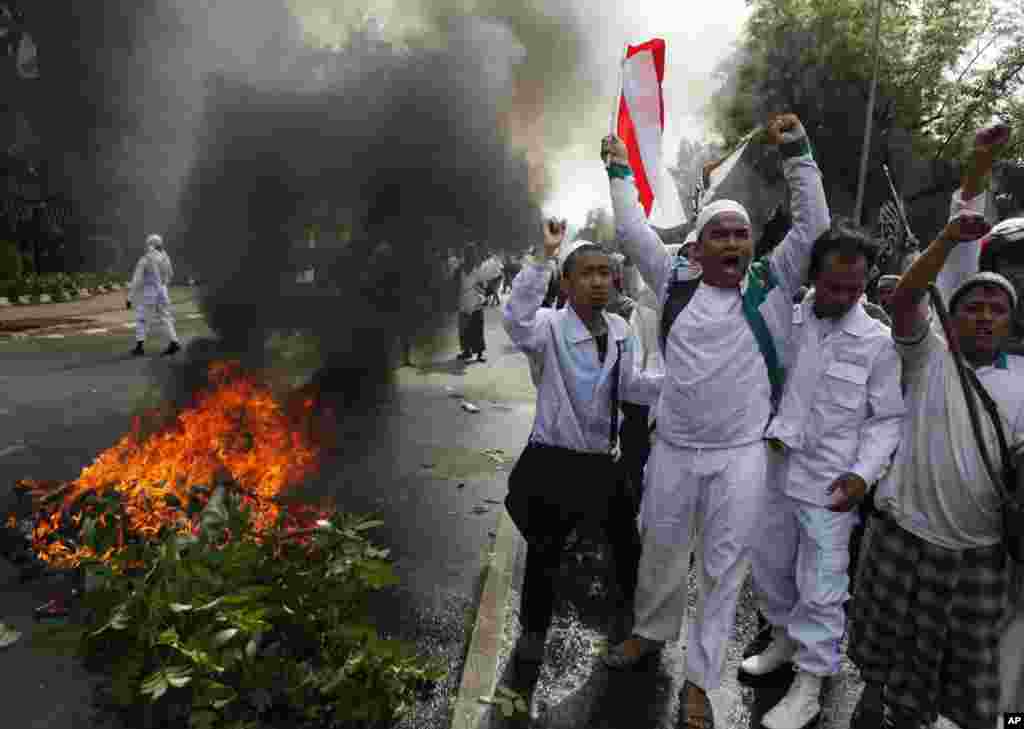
[95, 331]
[194, 316]
[53, 336]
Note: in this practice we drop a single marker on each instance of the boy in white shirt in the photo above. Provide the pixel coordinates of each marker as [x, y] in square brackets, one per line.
[582, 361]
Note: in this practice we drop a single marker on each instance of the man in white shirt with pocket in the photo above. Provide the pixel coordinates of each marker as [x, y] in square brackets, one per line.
[836, 430]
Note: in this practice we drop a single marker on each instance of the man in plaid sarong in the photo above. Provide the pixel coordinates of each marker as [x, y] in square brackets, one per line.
[927, 619]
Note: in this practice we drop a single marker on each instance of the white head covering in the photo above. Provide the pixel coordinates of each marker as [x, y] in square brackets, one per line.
[889, 278]
[985, 277]
[153, 241]
[567, 250]
[1011, 228]
[717, 208]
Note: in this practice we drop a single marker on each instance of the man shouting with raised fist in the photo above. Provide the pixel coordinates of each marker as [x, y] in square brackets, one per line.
[726, 320]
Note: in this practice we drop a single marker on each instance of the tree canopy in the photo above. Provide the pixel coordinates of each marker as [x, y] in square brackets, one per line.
[945, 69]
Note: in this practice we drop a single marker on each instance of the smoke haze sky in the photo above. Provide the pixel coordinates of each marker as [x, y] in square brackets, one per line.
[698, 34]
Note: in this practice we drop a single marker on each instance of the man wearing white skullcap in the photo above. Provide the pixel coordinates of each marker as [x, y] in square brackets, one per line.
[150, 297]
[708, 466]
[941, 524]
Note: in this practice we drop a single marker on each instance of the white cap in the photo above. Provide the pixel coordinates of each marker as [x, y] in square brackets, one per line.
[717, 208]
[153, 240]
[563, 255]
[979, 279]
[1011, 228]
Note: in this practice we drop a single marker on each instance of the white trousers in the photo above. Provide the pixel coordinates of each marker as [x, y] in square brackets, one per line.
[154, 307]
[800, 560]
[708, 500]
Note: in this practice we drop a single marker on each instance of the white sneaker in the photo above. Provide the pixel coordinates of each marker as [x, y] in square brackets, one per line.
[779, 652]
[800, 705]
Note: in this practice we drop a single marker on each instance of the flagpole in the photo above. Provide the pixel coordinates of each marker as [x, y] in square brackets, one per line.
[866, 149]
[618, 92]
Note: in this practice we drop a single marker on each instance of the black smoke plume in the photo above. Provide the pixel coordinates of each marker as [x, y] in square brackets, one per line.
[406, 149]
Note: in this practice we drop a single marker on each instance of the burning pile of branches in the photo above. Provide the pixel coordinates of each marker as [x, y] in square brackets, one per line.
[161, 475]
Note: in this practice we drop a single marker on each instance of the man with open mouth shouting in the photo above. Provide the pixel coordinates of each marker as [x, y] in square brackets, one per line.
[707, 470]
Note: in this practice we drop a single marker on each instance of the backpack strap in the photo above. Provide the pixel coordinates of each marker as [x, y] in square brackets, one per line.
[682, 285]
[759, 282]
[616, 370]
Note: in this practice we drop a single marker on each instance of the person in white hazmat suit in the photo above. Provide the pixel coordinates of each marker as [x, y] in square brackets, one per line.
[836, 430]
[149, 295]
[707, 469]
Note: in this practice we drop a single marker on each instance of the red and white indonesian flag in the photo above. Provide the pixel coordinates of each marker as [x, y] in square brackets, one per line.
[641, 125]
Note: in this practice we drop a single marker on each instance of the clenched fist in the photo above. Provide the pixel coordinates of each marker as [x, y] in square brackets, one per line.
[784, 128]
[554, 234]
[613, 151]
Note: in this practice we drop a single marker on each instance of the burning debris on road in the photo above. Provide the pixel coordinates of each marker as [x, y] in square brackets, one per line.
[161, 475]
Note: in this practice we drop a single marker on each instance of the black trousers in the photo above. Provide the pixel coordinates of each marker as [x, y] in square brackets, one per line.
[635, 441]
[586, 495]
[471, 332]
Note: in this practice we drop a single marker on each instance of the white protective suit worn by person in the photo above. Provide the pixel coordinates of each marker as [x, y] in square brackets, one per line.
[149, 294]
[706, 472]
[841, 413]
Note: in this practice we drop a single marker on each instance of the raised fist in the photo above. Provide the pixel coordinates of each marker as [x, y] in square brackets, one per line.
[554, 234]
[784, 128]
[613, 150]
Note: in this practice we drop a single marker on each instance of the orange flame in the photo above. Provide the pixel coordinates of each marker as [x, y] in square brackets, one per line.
[234, 430]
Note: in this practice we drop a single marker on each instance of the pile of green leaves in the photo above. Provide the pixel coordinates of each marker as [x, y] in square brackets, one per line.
[59, 286]
[225, 627]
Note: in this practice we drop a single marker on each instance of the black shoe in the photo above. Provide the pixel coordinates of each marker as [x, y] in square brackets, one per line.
[172, 348]
[465, 356]
[480, 357]
[138, 351]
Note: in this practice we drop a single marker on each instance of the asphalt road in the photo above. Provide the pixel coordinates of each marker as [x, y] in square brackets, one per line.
[434, 472]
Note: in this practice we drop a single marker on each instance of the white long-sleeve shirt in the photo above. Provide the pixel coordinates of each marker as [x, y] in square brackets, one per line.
[147, 279]
[166, 269]
[717, 391]
[963, 260]
[573, 387]
[842, 407]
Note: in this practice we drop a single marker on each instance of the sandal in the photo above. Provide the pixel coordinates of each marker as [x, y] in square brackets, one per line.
[631, 652]
[695, 708]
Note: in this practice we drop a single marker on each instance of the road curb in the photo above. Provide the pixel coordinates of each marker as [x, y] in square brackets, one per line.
[480, 671]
